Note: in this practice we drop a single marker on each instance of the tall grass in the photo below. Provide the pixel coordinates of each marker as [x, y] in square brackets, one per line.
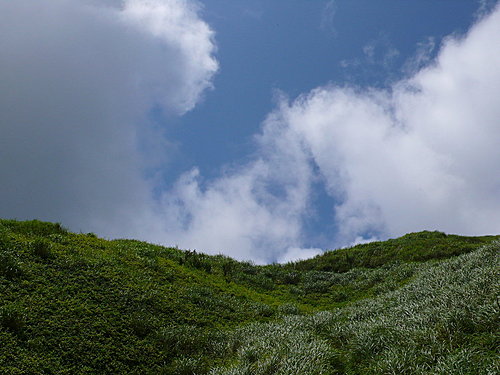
[445, 321]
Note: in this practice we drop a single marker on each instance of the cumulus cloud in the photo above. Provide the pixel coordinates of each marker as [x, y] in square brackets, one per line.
[78, 79]
[422, 154]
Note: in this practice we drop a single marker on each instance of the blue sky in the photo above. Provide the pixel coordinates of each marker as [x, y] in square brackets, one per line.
[295, 46]
[265, 130]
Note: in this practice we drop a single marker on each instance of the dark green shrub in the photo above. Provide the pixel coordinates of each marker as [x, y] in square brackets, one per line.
[248, 268]
[9, 265]
[228, 269]
[142, 324]
[12, 318]
[290, 278]
[257, 281]
[58, 238]
[41, 247]
[318, 286]
[197, 260]
[340, 295]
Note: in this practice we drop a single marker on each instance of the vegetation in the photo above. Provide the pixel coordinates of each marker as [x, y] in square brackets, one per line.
[425, 303]
[412, 247]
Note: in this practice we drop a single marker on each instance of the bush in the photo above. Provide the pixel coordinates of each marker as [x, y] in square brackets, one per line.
[9, 266]
[41, 247]
[291, 278]
[197, 260]
[142, 324]
[12, 318]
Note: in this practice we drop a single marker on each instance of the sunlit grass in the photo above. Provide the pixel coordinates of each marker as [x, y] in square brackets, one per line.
[75, 304]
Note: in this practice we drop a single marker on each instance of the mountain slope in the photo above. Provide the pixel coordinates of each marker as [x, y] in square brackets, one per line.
[76, 304]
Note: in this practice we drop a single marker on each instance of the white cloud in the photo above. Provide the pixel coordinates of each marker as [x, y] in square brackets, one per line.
[78, 79]
[421, 155]
[177, 26]
[294, 254]
[362, 240]
[252, 212]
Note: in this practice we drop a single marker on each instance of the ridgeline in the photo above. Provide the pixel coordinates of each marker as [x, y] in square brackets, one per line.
[425, 303]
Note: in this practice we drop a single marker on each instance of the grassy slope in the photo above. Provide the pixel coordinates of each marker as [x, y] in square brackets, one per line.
[413, 247]
[73, 303]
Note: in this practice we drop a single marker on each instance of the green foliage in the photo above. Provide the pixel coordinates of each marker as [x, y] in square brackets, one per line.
[429, 326]
[12, 318]
[197, 260]
[422, 246]
[34, 227]
[9, 264]
[77, 304]
[41, 248]
[289, 309]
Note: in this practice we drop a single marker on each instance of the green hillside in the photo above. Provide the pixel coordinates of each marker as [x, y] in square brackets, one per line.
[425, 303]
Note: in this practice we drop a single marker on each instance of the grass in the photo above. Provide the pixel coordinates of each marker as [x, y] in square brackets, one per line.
[444, 321]
[77, 304]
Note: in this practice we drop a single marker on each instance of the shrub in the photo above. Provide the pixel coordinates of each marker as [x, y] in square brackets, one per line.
[12, 318]
[316, 286]
[228, 269]
[261, 281]
[41, 247]
[197, 260]
[292, 278]
[142, 324]
[9, 266]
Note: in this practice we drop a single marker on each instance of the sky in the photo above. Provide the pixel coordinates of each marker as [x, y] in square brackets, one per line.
[268, 131]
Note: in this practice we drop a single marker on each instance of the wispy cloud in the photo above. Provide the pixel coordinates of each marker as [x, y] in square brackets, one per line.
[328, 18]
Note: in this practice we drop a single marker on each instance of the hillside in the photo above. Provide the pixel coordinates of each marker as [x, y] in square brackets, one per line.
[426, 303]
